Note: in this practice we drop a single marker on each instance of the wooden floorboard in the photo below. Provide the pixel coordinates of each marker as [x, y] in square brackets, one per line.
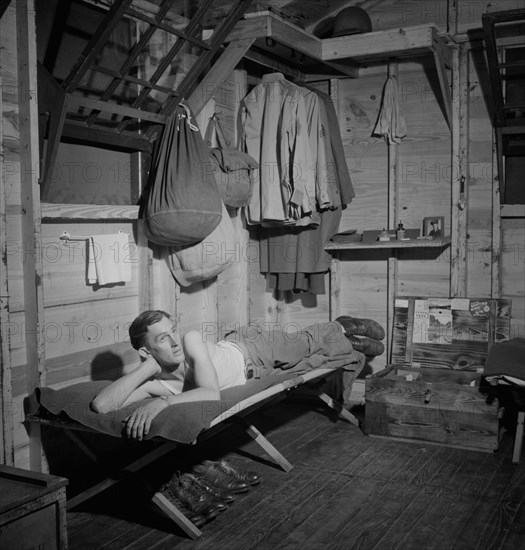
[346, 491]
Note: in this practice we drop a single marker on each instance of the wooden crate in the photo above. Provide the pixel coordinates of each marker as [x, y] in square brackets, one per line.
[32, 510]
[431, 390]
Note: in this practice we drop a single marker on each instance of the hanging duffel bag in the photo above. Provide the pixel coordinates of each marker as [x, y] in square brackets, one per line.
[183, 204]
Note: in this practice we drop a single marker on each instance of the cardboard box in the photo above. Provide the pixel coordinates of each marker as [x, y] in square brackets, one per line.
[431, 391]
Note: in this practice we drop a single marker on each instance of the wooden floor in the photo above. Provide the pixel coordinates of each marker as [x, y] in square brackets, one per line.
[346, 491]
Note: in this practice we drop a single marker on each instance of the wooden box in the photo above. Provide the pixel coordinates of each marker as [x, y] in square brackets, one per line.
[431, 390]
[32, 510]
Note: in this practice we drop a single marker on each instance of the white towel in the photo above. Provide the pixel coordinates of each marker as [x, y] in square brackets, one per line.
[390, 124]
[109, 259]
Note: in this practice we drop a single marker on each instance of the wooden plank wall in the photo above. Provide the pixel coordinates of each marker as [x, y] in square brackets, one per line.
[84, 328]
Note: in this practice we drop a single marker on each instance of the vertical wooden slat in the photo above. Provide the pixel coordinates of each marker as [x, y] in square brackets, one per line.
[145, 271]
[31, 216]
[452, 16]
[240, 79]
[6, 395]
[495, 266]
[335, 265]
[393, 219]
[460, 176]
[455, 183]
[335, 286]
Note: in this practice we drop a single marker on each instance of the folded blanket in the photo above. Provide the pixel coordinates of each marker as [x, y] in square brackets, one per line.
[181, 422]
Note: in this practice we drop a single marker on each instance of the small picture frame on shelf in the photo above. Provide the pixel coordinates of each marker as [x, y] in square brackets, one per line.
[434, 227]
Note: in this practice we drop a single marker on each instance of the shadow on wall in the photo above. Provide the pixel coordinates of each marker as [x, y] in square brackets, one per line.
[107, 366]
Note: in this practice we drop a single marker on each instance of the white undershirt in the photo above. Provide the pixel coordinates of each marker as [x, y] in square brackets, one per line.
[228, 361]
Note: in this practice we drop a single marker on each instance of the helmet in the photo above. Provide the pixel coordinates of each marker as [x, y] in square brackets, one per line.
[352, 20]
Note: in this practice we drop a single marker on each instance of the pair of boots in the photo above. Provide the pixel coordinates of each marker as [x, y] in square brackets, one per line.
[363, 334]
[201, 495]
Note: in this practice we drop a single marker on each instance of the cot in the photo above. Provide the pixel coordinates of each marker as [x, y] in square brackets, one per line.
[182, 424]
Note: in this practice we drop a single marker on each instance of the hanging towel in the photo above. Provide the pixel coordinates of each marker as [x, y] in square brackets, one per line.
[390, 124]
[109, 259]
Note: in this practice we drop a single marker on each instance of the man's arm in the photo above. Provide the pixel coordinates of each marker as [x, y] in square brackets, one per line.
[131, 387]
[138, 423]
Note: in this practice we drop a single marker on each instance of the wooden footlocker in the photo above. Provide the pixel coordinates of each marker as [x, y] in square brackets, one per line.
[32, 510]
[431, 390]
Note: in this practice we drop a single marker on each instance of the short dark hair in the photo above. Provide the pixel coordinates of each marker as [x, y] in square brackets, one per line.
[139, 328]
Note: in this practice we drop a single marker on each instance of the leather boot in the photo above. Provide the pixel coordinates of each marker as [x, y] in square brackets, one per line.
[216, 475]
[242, 475]
[196, 501]
[197, 519]
[224, 496]
[361, 327]
[200, 486]
[367, 346]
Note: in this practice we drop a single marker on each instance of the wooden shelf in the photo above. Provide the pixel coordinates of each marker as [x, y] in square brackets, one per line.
[89, 212]
[346, 53]
[414, 243]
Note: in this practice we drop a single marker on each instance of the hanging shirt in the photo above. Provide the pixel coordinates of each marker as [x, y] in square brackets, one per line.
[276, 135]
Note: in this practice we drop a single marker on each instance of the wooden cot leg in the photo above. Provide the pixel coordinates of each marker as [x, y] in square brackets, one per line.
[173, 513]
[259, 438]
[518, 440]
[347, 415]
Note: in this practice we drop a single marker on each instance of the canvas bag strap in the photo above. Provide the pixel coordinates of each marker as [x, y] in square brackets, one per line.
[222, 141]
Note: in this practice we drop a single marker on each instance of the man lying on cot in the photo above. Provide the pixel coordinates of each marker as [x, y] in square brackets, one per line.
[188, 369]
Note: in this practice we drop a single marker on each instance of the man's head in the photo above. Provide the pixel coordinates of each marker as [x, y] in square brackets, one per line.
[153, 333]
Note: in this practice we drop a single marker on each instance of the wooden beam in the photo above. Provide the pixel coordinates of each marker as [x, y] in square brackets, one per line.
[393, 219]
[188, 83]
[95, 45]
[220, 70]
[7, 453]
[127, 141]
[88, 212]
[52, 101]
[464, 172]
[31, 217]
[442, 60]
[274, 64]
[495, 265]
[4, 4]
[268, 25]
[114, 108]
[404, 41]
[460, 181]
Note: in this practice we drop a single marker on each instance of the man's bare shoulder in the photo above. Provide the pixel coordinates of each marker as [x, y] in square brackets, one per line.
[194, 344]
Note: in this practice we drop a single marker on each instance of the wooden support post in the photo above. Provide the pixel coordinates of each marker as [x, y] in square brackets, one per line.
[443, 83]
[335, 286]
[240, 80]
[460, 176]
[172, 512]
[6, 395]
[452, 16]
[495, 265]
[216, 75]
[31, 215]
[341, 411]
[259, 438]
[335, 264]
[393, 219]
[518, 439]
